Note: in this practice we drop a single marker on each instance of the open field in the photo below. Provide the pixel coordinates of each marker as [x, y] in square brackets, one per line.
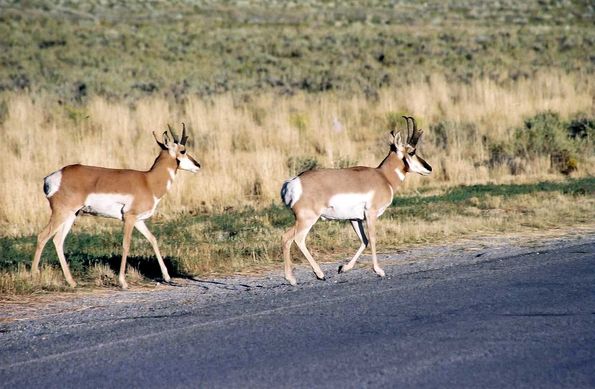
[180, 48]
[504, 91]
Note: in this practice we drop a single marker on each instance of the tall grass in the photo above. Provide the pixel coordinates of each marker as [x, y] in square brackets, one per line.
[248, 146]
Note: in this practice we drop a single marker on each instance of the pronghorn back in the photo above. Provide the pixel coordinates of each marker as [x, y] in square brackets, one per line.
[317, 188]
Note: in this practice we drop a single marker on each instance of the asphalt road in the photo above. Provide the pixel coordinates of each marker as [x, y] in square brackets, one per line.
[494, 320]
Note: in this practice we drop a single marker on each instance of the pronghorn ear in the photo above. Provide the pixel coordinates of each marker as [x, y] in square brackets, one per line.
[397, 141]
[163, 146]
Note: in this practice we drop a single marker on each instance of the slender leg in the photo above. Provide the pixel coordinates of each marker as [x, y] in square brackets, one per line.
[56, 221]
[59, 244]
[371, 221]
[142, 227]
[358, 227]
[129, 221]
[302, 228]
[287, 241]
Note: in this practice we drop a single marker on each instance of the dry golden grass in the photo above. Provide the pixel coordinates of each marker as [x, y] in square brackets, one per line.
[245, 145]
[22, 281]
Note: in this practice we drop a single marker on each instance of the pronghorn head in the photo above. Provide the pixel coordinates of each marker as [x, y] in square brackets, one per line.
[177, 149]
[407, 152]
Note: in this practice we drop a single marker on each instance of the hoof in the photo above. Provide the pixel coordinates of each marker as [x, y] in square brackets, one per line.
[340, 269]
[72, 284]
[291, 281]
[380, 272]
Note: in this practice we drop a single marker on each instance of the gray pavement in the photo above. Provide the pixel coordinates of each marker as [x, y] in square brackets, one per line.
[480, 314]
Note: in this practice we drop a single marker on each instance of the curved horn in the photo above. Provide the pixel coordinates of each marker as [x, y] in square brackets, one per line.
[416, 134]
[407, 120]
[173, 134]
[184, 136]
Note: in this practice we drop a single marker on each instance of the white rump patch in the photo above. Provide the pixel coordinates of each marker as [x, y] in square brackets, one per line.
[291, 191]
[51, 183]
[347, 206]
[112, 205]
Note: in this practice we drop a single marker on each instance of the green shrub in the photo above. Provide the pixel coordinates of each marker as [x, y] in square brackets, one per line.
[299, 164]
[582, 128]
[542, 134]
[545, 134]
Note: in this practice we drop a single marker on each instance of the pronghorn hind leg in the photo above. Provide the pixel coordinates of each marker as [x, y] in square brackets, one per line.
[358, 227]
[302, 228]
[371, 222]
[129, 221]
[142, 228]
[288, 238]
[59, 244]
[56, 221]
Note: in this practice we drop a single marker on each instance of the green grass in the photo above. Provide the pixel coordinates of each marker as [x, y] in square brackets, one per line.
[132, 49]
[247, 239]
[582, 186]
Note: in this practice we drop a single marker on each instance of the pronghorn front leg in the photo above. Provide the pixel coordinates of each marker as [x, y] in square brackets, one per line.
[142, 227]
[371, 217]
[129, 221]
[358, 227]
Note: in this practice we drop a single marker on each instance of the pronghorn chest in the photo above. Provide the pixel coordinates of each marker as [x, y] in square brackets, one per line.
[112, 205]
[150, 212]
[347, 206]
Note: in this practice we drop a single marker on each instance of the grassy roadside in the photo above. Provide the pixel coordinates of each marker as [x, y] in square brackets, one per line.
[245, 240]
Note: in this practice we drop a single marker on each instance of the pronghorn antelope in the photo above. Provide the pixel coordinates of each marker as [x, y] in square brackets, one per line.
[127, 195]
[356, 194]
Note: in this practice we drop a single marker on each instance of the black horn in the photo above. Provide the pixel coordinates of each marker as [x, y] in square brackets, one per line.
[173, 134]
[184, 136]
[416, 133]
[407, 120]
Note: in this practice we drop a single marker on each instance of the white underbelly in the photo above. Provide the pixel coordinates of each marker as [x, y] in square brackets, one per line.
[107, 204]
[347, 206]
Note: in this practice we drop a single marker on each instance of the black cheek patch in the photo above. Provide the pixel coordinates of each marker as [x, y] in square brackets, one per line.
[424, 163]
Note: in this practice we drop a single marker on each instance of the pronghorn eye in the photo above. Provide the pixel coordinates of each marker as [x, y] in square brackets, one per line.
[412, 153]
[183, 152]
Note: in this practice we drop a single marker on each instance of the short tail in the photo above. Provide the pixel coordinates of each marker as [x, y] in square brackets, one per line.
[51, 183]
[291, 191]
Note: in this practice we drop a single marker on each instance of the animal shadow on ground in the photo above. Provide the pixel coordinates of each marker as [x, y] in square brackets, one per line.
[148, 267]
